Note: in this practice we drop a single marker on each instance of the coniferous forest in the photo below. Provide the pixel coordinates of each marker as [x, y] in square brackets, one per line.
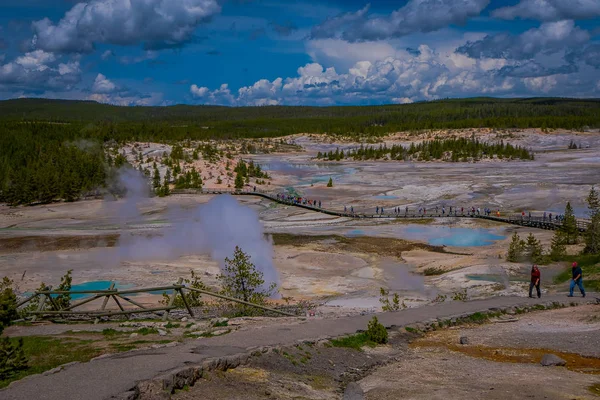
[453, 149]
[53, 149]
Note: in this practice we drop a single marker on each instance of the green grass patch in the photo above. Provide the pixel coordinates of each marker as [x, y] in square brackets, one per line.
[590, 265]
[411, 330]
[478, 317]
[120, 347]
[353, 342]
[45, 353]
[171, 325]
[220, 323]
[111, 333]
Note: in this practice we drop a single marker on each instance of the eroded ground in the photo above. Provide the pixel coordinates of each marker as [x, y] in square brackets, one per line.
[501, 360]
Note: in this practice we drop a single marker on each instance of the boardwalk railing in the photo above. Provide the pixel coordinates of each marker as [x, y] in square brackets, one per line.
[516, 219]
[47, 304]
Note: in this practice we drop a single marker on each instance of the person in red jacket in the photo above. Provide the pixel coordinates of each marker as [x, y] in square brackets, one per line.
[535, 281]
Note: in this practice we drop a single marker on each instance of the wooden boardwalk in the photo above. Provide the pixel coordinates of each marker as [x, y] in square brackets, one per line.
[518, 219]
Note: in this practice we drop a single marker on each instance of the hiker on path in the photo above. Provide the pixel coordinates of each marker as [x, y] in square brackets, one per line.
[535, 281]
[577, 280]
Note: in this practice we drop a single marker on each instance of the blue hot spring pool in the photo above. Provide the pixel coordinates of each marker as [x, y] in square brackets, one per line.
[95, 285]
[451, 236]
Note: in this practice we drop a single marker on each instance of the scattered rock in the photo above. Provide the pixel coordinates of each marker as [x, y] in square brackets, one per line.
[184, 319]
[464, 340]
[52, 371]
[162, 332]
[549, 360]
[220, 332]
[133, 335]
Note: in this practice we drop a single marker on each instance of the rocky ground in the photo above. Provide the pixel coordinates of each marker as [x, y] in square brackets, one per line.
[501, 359]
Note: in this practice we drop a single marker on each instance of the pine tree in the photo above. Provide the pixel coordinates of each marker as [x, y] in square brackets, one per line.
[330, 183]
[558, 250]
[534, 248]
[156, 178]
[515, 249]
[239, 181]
[592, 234]
[569, 226]
[593, 201]
[241, 279]
[12, 356]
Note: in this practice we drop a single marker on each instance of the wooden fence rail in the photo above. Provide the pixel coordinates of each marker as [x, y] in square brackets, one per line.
[46, 299]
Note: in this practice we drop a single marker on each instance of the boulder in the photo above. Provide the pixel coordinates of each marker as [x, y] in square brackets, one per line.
[464, 340]
[549, 360]
[162, 332]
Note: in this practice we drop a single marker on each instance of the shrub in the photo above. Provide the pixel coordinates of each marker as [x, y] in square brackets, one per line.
[386, 304]
[430, 271]
[64, 300]
[376, 332]
[194, 299]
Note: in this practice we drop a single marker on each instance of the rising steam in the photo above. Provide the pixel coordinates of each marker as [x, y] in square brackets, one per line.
[214, 228]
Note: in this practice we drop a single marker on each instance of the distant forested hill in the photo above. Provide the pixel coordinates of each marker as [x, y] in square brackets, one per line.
[42, 156]
[280, 120]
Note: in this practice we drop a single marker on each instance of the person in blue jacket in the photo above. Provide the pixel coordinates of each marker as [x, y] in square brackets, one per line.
[577, 280]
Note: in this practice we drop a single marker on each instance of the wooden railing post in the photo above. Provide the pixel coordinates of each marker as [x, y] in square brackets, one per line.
[105, 302]
[42, 302]
[185, 302]
[172, 300]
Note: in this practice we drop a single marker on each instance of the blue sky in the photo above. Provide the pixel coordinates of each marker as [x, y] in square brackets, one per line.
[267, 52]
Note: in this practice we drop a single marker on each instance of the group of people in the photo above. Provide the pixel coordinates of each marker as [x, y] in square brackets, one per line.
[546, 217]
[298, 200]
[577, 280]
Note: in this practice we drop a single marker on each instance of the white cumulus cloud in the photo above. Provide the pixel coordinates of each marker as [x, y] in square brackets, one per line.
[156, 23]
[102, 85]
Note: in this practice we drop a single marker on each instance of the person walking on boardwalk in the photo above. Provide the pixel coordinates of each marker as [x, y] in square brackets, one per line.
[577, 280]
[535, 281]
